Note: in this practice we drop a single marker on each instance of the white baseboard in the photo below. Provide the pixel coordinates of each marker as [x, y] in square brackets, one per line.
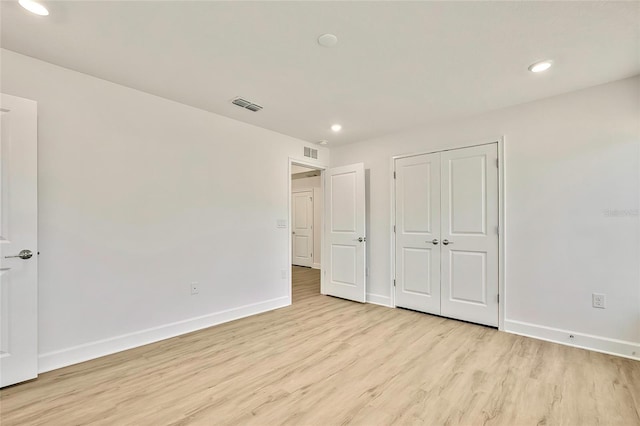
[377, 299]
[62, 358]
[580, 340]
[316, 266]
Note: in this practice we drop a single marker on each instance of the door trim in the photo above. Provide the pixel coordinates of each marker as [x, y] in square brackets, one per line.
[290, 162]
[500, 141]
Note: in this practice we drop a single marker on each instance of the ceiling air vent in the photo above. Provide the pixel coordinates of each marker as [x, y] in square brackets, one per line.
[246, 104]
[254, 107]
[310, 152]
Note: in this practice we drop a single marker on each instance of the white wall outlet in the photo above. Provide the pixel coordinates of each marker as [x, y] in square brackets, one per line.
[598, 300]
[195, 288]
[284, 274]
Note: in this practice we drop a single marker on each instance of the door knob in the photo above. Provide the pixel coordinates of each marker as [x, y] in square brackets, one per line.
[360, 239]
[446, 242]
[434, 241]
[24, 254]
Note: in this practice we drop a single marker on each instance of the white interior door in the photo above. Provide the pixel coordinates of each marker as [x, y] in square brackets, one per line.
[418, 233]
[345, 233]
[470, 234]
[302, 229]
[18, 233]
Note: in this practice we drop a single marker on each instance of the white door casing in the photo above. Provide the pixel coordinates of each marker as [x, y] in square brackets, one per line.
[470, 224]
[302, 233]
[18, 231]
[418, 233]
[344, 257]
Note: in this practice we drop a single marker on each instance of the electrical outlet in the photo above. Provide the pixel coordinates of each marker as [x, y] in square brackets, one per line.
[598, 300]
[195, 288]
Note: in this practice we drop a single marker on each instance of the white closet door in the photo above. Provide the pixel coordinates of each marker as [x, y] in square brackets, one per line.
[469, 234]
[418, 233]
[302, 234]
[345, 233]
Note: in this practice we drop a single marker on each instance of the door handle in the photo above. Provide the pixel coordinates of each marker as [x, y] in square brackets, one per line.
[360, 239]
[446, 242]
[434, 241]
[24, 255]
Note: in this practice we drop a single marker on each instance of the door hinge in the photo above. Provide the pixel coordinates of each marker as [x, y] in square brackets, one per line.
[394, 283]
[394, 229]
[497, 162]
[394, 175]
[498, 230]
[498, 298]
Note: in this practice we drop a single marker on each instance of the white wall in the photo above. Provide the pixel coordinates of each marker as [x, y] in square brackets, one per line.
[569, 159]
[315, 184]
[136, 202]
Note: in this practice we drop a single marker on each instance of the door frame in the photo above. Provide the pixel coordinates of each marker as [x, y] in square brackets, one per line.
[500, 141]
[296, 161]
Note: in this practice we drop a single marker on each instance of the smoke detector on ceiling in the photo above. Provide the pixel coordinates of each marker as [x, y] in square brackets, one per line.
[243, 103]
[327, 40]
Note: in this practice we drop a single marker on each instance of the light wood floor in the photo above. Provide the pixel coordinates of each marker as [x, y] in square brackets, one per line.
[325, 361]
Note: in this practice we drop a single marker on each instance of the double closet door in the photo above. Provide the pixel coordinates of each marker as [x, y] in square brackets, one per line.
[447, 233]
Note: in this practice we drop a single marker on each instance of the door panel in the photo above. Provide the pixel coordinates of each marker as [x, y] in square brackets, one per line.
[417, 225]
[345, 233]
[302, 225]
[468, 276]
[344, 261]
[18, 231]
[301, 248]
[343, 208]
[416, 271]
[467, 195]
[470, 222]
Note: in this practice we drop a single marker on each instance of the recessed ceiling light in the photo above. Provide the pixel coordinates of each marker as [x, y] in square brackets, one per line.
[34, 7]
[336, 127]
[327, 40]
[540, 66]
[323, 142]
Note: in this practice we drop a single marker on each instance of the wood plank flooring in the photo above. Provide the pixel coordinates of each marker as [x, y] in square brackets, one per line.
[327, 361]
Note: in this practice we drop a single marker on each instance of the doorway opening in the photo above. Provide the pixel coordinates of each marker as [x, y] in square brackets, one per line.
[306, 213]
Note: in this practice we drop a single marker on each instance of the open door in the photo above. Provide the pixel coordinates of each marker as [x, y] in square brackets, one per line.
[18, 241]
[345, 233]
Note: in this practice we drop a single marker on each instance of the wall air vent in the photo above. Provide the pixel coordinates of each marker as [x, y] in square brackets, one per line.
[241, 102]
[310, 152]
